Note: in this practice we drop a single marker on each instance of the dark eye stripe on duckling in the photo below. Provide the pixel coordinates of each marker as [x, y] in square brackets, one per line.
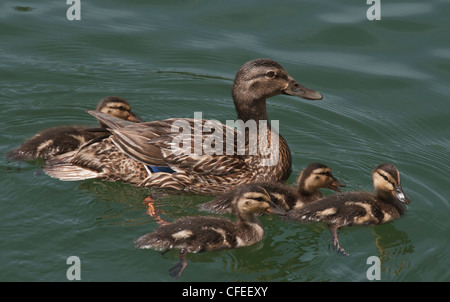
[326, 173]
[386, 170]
[321, 171]
[119, 106]
[257, 196]
[389, 177]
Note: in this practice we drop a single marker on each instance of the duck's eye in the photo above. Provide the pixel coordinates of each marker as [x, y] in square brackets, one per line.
[270, 74]
[384, 177]
[119, 108]
[259, 199]
[325, 173]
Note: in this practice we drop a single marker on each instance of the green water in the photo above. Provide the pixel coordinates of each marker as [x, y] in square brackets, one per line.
[386, 99]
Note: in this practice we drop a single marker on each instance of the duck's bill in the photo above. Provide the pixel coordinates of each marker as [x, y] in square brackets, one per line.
[296, 89]
[134, 118]
[274, 209]
[335, 185]
[400, 195]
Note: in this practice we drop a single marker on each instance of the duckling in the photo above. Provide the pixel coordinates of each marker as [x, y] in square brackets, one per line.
[58, 140]
[310, 180]
[358, 208]
[198, 171]
[208, 233]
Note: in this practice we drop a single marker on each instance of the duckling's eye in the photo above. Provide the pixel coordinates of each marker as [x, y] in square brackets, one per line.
[326, 173]
[270, 74]
[259, 199]
[119, 108]
[384, 177]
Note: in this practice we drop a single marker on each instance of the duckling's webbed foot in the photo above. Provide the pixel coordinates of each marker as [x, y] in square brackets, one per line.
[153, 211]
[335, 240]
[176, 271]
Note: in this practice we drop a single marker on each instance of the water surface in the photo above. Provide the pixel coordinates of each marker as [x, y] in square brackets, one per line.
[385, 87]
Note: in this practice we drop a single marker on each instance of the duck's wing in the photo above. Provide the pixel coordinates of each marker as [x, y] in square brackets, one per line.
[222, 203]
[189, 145]
[109, 120]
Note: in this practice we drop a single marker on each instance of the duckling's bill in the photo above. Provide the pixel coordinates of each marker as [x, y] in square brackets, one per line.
[335, 185]
[134, 118]
[275, 209]
[400, 195]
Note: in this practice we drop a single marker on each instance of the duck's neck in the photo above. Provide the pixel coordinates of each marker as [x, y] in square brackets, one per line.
[243, 218]
[398, 205]
[302, 188]
[310, 196]
[307, 193]
[401, 208]
[252, 228]
[248, 106]
[252, 107]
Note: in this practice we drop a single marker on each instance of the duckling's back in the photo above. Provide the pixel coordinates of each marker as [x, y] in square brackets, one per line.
[54, 141]
[342, 209]
[195, 234]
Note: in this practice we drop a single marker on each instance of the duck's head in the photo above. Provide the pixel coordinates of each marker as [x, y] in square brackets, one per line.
[255, 201]
[118, 107]
[260, 79]
[316, 176]
[386, 182]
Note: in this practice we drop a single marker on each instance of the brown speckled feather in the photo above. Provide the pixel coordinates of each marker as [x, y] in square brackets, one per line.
[54, 141]
[196, 234]
[343, 209]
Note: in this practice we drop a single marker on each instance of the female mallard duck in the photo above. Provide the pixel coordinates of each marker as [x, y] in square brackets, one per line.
[207, 233]
[310, 180]
[58, 140]
[226, 159]
[358, 208]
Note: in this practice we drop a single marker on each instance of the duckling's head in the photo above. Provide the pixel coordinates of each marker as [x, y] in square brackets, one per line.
[255, 201]
[386, 182]
[118, 107]
[316, 176]
[260, 79]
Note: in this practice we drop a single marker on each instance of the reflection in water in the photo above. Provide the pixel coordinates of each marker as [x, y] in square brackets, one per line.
[153, 202]
[23, 8]
[393, 247]
[130, 199]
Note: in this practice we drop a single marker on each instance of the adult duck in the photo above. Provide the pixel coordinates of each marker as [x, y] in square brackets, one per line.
[149, 154]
